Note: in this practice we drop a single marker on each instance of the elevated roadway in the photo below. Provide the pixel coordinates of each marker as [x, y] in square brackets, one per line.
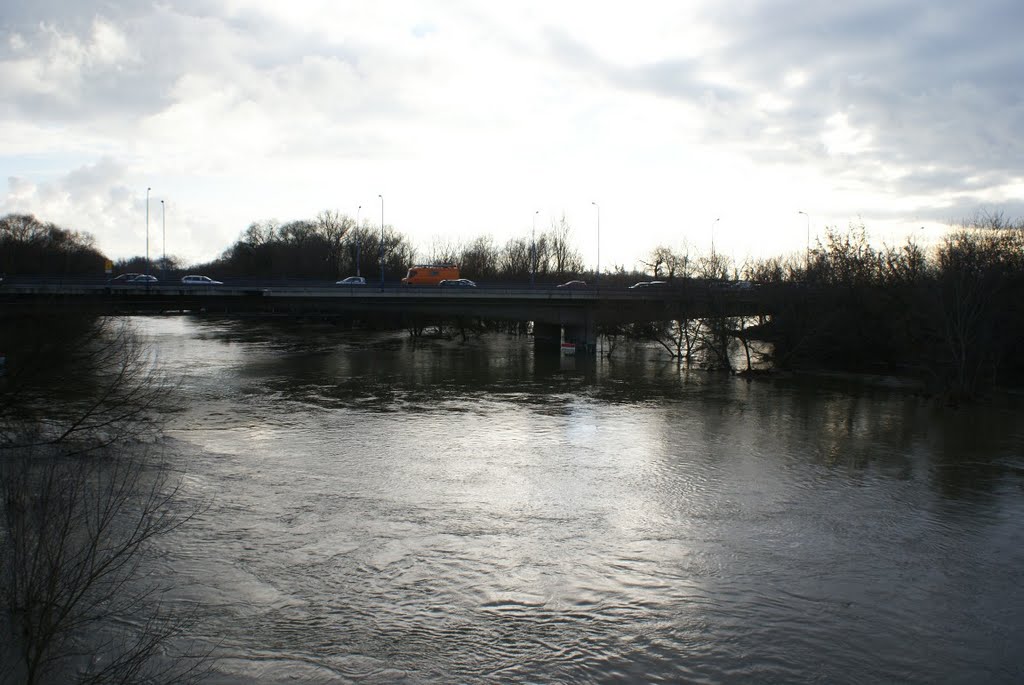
[566, 313]
[547, 304]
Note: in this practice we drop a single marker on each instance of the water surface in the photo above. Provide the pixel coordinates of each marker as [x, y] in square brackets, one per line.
[386, 512]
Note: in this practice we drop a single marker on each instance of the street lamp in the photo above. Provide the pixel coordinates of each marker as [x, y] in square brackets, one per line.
[713, 236]
[163, 221]
[533, 249]
[147, 229]
[359, 238]
[597, 274]
[381, 240]
[808, 258]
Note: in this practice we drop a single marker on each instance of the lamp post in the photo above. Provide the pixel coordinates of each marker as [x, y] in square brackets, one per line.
[147, 229]
[359, 238]
[163, 229]
[597, 274]
[381, 240]
[533, 249]
[808, 252]
[713, 236]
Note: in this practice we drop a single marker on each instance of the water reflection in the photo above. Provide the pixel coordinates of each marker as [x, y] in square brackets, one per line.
[444, 512]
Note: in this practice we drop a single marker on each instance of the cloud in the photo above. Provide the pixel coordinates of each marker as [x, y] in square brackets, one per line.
[93, 198]
[904, 84]
[470, 115]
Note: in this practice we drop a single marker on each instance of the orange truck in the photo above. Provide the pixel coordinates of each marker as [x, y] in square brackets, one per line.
[430, 274]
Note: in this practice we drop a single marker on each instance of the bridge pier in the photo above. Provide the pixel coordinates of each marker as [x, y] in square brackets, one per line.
[583, 336]
[548, 337]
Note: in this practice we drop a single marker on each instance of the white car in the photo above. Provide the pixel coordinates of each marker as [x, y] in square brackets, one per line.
[131, 278]
[352, 280]
[199, 280]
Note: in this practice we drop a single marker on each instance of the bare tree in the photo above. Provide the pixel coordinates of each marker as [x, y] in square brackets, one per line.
[360, 251]
[666, 263]
[716, 267]
[83, 500]
[332, 226]
[542, 255]
[399, 253]
[444, 251]
[514, 260]
[565, 259]
[716, 329]
[479, 258]
[658, 260]
[297, 232]
[259, 233]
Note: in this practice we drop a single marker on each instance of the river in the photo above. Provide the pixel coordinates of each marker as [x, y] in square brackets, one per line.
[388, 512]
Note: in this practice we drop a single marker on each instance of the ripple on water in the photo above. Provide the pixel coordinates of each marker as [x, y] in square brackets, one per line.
[386, 515]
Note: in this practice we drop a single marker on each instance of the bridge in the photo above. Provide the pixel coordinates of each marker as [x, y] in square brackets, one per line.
[557, 313]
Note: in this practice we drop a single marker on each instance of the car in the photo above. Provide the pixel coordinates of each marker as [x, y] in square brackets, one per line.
[123, 278]
[133, 279]
[457, 283]
[641, 284]
[199, 280]
[572, 284]
[352, 280]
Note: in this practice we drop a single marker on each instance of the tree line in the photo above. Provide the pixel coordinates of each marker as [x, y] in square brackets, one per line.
[333, 245]
[951, 315]
[31, 246]
[328, 247]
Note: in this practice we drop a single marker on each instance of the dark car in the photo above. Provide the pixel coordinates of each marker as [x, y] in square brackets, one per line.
[572, 284]
[457, 283]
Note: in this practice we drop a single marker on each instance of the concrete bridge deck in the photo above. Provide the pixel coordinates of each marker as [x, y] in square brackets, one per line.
[552, 305]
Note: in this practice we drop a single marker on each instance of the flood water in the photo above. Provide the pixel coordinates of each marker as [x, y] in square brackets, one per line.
[383, 512]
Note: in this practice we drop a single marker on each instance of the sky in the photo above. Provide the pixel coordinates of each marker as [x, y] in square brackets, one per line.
[648, 123]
